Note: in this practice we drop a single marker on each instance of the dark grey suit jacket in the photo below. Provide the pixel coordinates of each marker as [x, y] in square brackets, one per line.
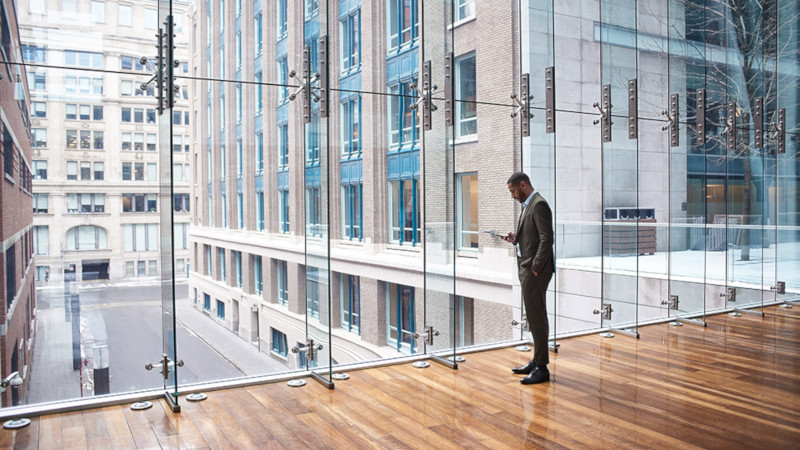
[535, 236]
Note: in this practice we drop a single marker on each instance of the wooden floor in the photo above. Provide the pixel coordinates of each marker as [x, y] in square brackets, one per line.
[735, 384]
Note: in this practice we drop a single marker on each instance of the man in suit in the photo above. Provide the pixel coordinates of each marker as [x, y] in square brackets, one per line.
[536, 263]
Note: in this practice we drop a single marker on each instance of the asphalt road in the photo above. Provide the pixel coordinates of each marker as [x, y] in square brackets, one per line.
[126, 318]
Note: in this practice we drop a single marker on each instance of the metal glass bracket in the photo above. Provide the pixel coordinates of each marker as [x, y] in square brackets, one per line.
[633, 109]
[523, 106]
[730, 127]
[605, 311]
[758, 122]
[674, 124]
[305, 81]
[448, 89]
[701, 115]
[672, 303]
[323, 77]
[166, 90]
[604, 119]
[550, 99]
[425, 96]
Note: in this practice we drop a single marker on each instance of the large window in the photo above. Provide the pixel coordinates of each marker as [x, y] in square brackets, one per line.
[283, 20]
[351, 128]
[87, 238]
[141, 237]
[258, 34]
[237, 267]
[40, 169]
[403, 26]
[239, 211]
[350, 41]
[41, 240]
[283, 80]
[283, 282]
[351, 303]
[220, 310]
[258, 275]
[283, 210]
[467, 211]
[404, 217]
[466, 94]
[260, 211]
[312, 291]
[279, 345]
[465, 10]
[86, 203]
[98, 12]
[83, 59]
[400, 317]
[125, 15]
[283, 146]
[221, 257]
[259, 152]
[139, 203]
[39, 136]
[40, 205]
[403, 126]
[313, 212]
[352, 219]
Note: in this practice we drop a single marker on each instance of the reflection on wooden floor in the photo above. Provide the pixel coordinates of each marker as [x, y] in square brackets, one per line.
[735, 384]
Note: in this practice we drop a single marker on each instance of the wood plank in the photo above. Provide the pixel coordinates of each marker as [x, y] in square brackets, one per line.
[117, 427]
[50, 432]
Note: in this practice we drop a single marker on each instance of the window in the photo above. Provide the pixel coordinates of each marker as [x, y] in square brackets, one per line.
[99, 170]
[41, 240]
[206, 302]
[312, 141]
[220, 310]
[404, 219]
[181, 202]
[403, 127]
[37, 81]
[87, 238]
[140, 237]
[127, 141]
[282, 19]
[72, 170]
[39, 137]
[207, 261]
[126, 171]
[83, 59]
[86, 203]
[39, 109]
[11, 275]
[259, 33]
[151, 142]
[403, 25]
[351, 129]
[283, 210]
[126, 115]
[69, 8]
[34, 54]
[150, 19]
[139, 203]
[466, 110]
[283, 80]
[43, 273]
[352, 199]
[239, 212]
[259, 94]
[239, 164]
[237, 266]
[312, 291]
[98, 12]
[97, 140]
[313, 212]
[125, 15]
[224, 211]
[279, 345]
[283, 283]
[465, 312]
[400, 317]
[259, 153]
[126, 88]
[258, 275]
[86, 170]
[40, 203]
[221, 256]
[311, 8]
[351, 303]
[283, 146]
[138, 115]
[180, 233]
[40, 169]
[238, 50]
[138, 142]
[465, 9]
[260, 211]
[350, 27]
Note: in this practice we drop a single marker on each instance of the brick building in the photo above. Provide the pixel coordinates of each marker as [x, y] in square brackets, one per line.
[17, 265]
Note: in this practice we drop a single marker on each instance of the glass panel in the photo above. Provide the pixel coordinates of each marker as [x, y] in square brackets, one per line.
[625, 237]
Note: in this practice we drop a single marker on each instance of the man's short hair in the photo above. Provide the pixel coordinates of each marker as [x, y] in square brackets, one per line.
[518, 177]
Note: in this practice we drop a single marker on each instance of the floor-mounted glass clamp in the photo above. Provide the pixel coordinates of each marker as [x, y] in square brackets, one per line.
[607, 334]
[14, 424]
[457, 358]
[421, 364]
[196, 397]
[140, 406]
[675, 323]
[296, 383]
[340, 376]
[523, 348]
[735, 314]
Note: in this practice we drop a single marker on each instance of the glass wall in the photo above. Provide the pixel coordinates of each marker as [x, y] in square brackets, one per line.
[326, 185]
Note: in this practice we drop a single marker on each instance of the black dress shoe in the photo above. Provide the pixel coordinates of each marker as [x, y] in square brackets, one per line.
[536, 377]
[526, 369]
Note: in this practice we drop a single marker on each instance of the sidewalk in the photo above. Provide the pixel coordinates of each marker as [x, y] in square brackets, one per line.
[240, 353]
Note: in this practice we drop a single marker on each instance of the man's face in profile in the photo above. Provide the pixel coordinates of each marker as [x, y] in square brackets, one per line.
[517, 192]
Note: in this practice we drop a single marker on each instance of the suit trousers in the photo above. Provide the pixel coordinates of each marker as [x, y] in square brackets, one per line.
[534, 295]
